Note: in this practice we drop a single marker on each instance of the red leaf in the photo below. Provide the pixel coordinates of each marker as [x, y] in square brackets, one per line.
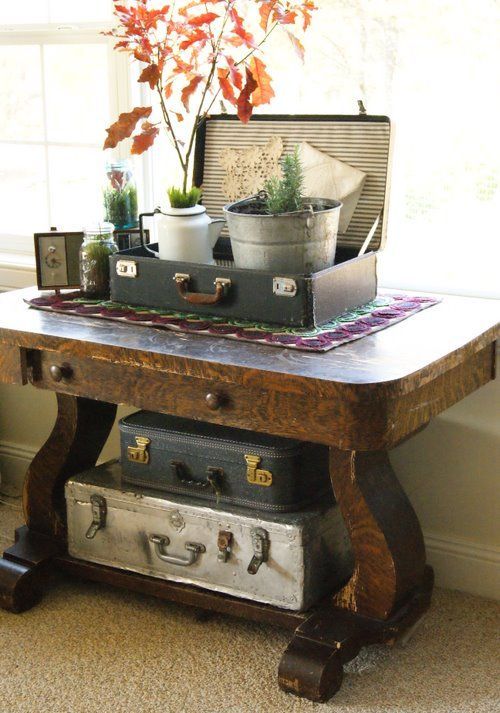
[197, 36]
[168, 90]
[264, 91]
[247, 37]
[204, 19]
[244, 104]
[125, 125]
[226, 86]
[150, 74]
[144, 140]
[235, 74]
[297, 45]
[189, 90]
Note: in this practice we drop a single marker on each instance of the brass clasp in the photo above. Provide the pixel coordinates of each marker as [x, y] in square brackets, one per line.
[139, 452]
[255, 475]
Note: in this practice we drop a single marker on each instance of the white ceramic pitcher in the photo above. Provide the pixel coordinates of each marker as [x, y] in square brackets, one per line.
[184, 234]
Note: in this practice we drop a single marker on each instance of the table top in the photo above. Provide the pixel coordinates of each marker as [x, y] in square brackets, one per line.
[435, 339]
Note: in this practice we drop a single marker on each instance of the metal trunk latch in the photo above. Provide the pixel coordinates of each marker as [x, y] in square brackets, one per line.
[256, 475]
[139, 453]
[99, 511]
[224, 542]
[260, 544]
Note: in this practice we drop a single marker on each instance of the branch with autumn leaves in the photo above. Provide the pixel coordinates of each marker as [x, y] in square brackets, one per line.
[194, 53]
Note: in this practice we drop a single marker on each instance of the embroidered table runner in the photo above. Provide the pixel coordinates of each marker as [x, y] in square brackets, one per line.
[382, 312]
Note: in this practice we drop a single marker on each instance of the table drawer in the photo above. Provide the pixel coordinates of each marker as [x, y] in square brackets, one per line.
[259, 409]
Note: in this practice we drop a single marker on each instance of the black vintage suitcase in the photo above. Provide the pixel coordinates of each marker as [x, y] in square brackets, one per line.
[220, 464]
[291, 300]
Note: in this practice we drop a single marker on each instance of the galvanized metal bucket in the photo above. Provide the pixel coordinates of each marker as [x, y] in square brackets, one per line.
[301, 242]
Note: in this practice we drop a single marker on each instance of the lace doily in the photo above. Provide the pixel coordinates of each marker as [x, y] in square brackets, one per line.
[246, 170]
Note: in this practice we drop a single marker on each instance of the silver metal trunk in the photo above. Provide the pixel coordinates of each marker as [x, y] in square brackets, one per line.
[302, 242]
[289, 560]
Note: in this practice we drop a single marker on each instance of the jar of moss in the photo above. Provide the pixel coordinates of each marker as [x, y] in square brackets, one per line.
[120, 195]
[98, 244]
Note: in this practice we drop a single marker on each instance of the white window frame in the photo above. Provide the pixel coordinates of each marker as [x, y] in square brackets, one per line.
[17, 265]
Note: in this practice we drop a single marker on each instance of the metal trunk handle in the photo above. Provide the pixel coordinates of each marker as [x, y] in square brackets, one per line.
[222, 285]
[194, 549]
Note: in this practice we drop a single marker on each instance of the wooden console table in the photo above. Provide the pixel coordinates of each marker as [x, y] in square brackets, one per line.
[360, 399]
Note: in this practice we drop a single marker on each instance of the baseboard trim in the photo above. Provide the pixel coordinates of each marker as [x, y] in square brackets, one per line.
[458, 564]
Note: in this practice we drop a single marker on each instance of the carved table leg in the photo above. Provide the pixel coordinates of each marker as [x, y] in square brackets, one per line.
[390, 586]
[79, 434]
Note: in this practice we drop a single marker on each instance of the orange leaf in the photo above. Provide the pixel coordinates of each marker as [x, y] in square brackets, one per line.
[141, 55]
[204, 19]
[150, 74]
[144, 140]
[297, 45]
[189, 90]
[125, 125]
[244, 104]
[265, 10]
[226, 86]
[264, 92]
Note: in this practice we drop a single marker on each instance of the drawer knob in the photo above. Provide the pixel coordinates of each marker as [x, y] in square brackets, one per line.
[58, 373]
[213, 401]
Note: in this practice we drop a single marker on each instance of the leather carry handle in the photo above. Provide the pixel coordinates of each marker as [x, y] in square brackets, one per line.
[214, 476]
[222, 285]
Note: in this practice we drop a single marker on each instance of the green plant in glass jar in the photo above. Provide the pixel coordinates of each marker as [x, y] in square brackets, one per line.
[120, 195]
[98, 244]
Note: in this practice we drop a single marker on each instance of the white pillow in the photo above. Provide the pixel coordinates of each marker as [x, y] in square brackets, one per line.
[327, 177]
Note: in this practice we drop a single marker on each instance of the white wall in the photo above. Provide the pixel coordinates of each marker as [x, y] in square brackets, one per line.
[449, 470]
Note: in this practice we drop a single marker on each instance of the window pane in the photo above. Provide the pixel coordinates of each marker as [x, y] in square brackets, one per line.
[79, 11]
[76, 178]
[21, 115]
[23, 189]
[76, 81]
[27, 12]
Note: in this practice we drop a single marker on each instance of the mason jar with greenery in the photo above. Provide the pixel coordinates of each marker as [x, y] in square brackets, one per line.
[98, 244]
[120, 195]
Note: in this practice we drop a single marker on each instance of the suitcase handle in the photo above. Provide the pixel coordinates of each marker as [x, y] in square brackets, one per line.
[194, 549]
[222, 285]
[213, 480]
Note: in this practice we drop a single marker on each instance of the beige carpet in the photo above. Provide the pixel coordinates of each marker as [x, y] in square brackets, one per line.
[92, 649]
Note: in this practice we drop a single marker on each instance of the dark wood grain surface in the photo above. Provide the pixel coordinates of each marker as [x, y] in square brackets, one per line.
[407, 353]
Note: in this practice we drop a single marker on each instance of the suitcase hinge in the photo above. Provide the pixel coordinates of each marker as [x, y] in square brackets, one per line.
[224, 542]
[99, 511]
[139, 453]
[260, 544]
[255, 475]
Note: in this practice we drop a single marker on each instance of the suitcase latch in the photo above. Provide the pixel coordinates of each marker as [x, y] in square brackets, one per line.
[139, 453]
[256, 475]
[126, 268]
[99, 511]
[224, 542]
[260, 544]
[284, 287]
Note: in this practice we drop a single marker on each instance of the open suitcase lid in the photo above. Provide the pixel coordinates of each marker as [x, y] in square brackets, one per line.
[363, 141]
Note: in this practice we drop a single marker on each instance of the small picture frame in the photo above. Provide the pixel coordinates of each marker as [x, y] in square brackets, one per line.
[57, 256]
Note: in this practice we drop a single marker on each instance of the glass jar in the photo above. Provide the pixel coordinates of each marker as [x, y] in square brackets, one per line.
[120, 195]
[98, 244]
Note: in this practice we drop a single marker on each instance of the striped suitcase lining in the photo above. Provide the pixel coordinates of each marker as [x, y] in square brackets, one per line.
[364, 145]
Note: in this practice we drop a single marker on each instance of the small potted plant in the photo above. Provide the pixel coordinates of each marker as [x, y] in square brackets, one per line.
[194, 53]
[279, 229]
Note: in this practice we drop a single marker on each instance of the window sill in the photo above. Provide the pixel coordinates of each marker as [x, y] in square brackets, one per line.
[17, 270]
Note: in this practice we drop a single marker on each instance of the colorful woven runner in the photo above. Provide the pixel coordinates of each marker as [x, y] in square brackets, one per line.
[382, 312]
